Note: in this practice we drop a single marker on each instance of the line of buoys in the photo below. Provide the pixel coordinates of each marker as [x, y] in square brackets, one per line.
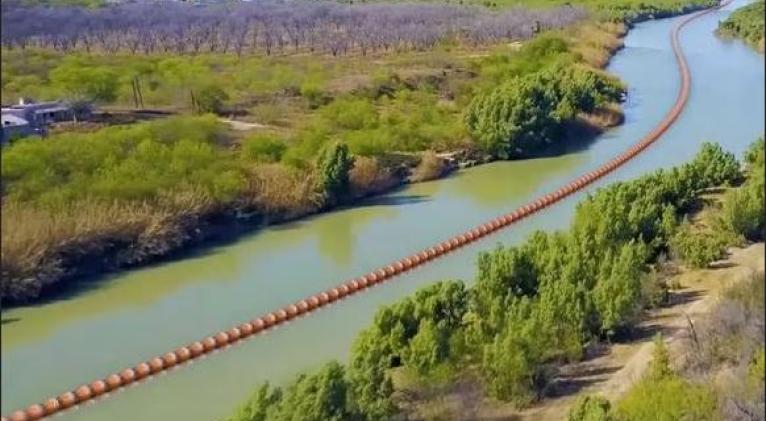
[221, 339]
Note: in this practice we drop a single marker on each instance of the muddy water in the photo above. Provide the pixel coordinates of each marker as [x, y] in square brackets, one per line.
[120, 320]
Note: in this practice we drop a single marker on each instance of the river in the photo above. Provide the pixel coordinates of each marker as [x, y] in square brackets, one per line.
[120, 320]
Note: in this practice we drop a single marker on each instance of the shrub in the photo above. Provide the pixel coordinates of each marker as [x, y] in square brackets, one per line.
[333, 167]
[210, 99]
[698, 248]
[263, 148]
[591, 408]
[430, 167]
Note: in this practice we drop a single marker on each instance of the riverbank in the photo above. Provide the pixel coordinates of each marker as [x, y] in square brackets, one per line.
[54, 248]
[176, 233]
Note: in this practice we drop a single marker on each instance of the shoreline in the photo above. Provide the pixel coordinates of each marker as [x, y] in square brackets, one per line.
[198, 232]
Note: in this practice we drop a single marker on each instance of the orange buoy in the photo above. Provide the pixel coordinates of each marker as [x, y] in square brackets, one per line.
[271, 318]
[313, 302]
[303, 307]
[424, 256]
[127, 375]
[342, 291]
[281, 315]
[19, 416]
[170, 359]
[208, 344]
[391, 270]
[469, 236]
[98, 387]
[454, 243]
[52, 406]
[352, 286]
[381, 273]
[35, 412]
[292, 311]
[67, 399]
[196, 349]
[83, 393]
[415, 260]
[323, 298]
[156, 364]
[142, 370]
[113, 381]
[183, 353]
[222, 338]
[399, 266]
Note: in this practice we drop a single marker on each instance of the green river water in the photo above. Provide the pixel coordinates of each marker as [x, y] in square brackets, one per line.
[120, 320]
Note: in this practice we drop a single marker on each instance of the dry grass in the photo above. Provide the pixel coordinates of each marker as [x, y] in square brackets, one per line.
[604, 117]
[429, 168]
[39, 244]
[369, 177]
[278, 190]
[597, 42]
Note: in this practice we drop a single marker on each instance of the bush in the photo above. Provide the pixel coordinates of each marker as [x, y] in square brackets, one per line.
[526, 114]
[210, 99]
[430, 167]
[333, 167]
[591, 408]
[263, 148]
[698, 248]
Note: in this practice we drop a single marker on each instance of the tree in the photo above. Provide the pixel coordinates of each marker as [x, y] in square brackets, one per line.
[258, 406]
[316, 397]
[618, 291]
[210, 99]
[83, 84]
[334, 164]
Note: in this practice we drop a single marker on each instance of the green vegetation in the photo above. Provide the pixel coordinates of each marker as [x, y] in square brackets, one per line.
[721, 377]
[746, 23]
[524, 114]
[331, 136]
[535, 306]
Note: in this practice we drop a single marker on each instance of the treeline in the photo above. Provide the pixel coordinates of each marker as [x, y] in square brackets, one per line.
[269, 27]
[747, 23]
[721, 377]
[531, 308]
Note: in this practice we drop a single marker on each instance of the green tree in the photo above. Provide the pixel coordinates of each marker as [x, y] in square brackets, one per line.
[316, 397]
[617, 294]
[334, 164]
[210, 99]
[83, 83]
[259, 404]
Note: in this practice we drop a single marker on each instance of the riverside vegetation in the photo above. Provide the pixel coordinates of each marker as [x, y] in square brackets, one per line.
[73, 203]
[747, 23]
[379, 108]
[536, 306]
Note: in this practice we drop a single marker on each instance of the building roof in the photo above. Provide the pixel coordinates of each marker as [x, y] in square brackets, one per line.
[10, 120]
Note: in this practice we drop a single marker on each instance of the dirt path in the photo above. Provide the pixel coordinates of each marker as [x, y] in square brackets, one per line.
[614, 369]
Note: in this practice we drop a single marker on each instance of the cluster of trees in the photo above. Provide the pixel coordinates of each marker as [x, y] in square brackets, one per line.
[747, 23]
[534, 306]
[741, 217]
[527, 113]
[268, 27]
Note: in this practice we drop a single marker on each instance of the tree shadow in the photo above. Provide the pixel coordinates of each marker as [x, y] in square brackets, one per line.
[582, 377]
[9, 320]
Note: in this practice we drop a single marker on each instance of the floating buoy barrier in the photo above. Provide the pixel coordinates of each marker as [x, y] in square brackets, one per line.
[221, 339]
